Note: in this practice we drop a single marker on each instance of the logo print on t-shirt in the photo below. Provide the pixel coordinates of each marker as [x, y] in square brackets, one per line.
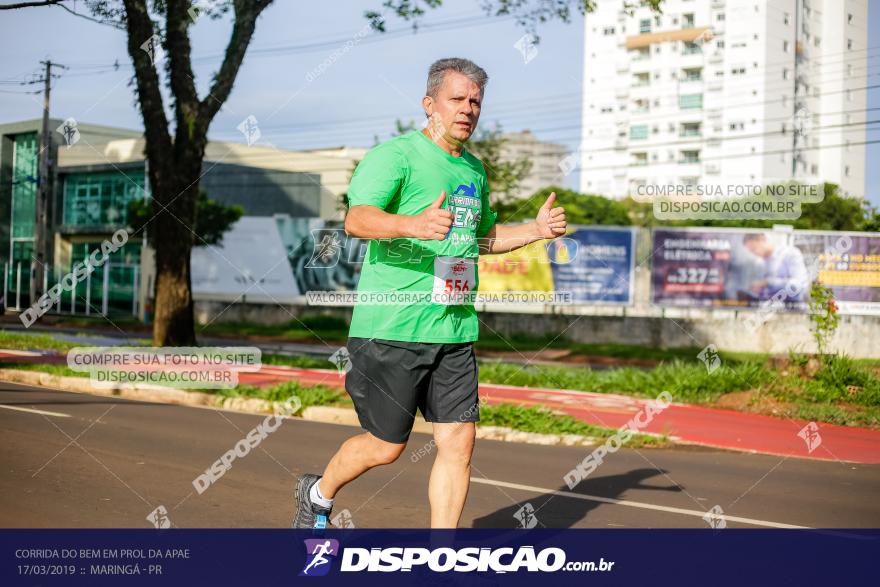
[466, 190]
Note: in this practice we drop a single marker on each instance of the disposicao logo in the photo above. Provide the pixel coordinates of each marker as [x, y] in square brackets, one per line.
[319, 556]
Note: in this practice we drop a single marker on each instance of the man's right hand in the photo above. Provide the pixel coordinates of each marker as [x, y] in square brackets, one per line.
[434, 222]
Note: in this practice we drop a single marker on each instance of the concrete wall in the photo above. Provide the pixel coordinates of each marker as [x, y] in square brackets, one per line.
[857, 336]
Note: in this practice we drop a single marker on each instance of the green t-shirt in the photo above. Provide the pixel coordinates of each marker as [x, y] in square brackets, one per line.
[404, 176]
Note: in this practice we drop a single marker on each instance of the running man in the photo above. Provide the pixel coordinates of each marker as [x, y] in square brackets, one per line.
[320, 552]
[422, 200]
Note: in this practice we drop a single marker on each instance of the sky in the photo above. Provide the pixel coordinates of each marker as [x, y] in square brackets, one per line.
[316, 76]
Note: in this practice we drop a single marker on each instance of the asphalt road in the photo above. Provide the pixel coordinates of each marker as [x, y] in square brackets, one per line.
[93, 461]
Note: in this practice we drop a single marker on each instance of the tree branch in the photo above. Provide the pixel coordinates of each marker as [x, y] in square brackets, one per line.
[182, 80]
[140, 30]
[246, 13]
[29, 4]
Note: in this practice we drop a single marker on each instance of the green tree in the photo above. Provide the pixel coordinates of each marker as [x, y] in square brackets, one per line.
[579, 208]
[213, 219]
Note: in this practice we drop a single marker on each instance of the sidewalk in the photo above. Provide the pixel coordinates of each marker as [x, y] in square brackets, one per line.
[726, 429]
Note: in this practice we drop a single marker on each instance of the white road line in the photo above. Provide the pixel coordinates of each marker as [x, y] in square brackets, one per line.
[633, 504]
[33, 411]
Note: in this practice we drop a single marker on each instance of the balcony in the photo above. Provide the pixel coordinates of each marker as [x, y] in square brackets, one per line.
[691, 49]
[689, 158]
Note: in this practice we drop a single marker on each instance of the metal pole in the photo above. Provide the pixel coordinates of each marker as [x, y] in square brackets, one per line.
[18, 286]
[60, 291]
[5, 283]
[104, 294]
[134, 291]
[88, 293]
[37, 269]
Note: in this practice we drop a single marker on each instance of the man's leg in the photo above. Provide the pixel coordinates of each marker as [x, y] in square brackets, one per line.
[450, 476]
[357, 455]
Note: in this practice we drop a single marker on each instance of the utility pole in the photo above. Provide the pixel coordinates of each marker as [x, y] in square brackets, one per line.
[40, 228]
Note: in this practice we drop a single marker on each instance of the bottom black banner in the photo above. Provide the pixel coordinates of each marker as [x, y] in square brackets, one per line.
[469, 557]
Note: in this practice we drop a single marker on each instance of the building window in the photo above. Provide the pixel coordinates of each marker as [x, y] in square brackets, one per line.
[690, 101]
[641, 54]
[719, 17]
[608, 31]
[691, 48]
[692, 75]
[846, 171]
[640, 159]
[638, 132]
[645, 25]
[100, 198]
[785, 46]
[689, 129]
[849, 18]
[786, 18]
[849, 44]
[689, 157]
[641, 79]
[687, 21]
[785, 73]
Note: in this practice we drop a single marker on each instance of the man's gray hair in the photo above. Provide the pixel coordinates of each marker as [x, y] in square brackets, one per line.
[466, 67]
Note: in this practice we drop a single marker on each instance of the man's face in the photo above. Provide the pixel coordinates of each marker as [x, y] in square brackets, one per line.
[455, 110]
[758, 247]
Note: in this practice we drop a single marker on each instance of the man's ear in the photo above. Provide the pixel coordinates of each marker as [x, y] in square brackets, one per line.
[428, 105]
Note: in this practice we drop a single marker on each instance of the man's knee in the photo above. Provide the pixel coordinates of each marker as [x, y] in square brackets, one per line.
[456, 440]
[384, 453]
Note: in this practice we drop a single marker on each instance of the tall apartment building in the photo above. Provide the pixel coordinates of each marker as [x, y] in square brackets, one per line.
[724, 92]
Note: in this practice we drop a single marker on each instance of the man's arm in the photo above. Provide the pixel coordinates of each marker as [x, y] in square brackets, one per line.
[371, 222]
[550, 223]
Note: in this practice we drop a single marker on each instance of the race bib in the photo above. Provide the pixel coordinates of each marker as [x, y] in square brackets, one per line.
[454, 281]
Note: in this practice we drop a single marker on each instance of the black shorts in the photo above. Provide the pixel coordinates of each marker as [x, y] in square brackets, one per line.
[389, 379]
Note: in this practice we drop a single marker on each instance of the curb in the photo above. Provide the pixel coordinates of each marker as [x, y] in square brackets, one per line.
[325, 414]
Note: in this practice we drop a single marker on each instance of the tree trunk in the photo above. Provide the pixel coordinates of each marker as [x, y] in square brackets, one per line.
[173, 237]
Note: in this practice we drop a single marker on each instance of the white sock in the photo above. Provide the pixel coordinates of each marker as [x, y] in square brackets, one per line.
[316, 497]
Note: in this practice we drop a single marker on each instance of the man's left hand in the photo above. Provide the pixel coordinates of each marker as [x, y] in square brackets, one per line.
[550, 222]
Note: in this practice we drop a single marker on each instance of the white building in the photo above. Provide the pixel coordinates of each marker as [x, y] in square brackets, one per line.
[724, 91]
[544, 156]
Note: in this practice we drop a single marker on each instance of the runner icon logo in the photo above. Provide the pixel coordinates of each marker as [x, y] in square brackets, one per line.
[526, 516]
[319, 555]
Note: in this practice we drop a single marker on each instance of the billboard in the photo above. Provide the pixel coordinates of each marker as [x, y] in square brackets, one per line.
[725, 268]
[743, 268]
[593, 264]
[848, 263]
